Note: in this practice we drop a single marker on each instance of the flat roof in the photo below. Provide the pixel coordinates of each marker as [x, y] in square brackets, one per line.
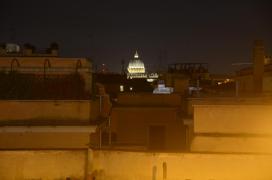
[231, 101]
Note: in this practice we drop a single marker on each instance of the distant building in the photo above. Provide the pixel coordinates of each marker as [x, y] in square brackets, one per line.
[256, 79]
[136, 65]
[161, 89]
[118, 83]
[194, 79]
[136, 70]
[182, 76]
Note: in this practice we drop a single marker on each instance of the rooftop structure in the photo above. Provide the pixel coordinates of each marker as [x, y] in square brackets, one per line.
[12, 49]
[256, 79]
[188, 68]
[43, 76]
[161, 89]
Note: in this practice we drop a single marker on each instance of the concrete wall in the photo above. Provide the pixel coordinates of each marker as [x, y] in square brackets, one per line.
[248, 119]
[121, 165]
[131, 125]
[145, 99]
[245, 84]
[39, 62]
[11, 110]
[267, 82]
[49, 65]
[243, 128]
[50, 113]
[45, 165]
[235, 144]
[44, 140]
[118, 165]
[178, 81]
[181, 85]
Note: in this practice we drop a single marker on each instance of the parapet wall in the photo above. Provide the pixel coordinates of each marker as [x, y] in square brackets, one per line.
[26, 165]
[121, 165]
[145, 99]
[118, 165]
[46, 111]
[242, 119]
[241, 128]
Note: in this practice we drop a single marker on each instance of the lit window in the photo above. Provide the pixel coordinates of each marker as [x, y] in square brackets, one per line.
[121, 88]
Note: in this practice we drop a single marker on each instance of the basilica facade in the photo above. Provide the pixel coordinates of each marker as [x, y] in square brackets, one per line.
[136, 69]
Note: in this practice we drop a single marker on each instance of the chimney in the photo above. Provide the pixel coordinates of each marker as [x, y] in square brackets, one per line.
[54, 49]
[28, 49]
[258, 66]
[2, 49]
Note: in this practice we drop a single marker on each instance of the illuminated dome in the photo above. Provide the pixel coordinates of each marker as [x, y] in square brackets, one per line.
[136, 65]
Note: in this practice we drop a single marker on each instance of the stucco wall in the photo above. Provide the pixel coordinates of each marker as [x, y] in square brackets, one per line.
[50, 113]
[131, 125]
[118, 165]
[145, 99]
[59, 110]
[245, 83]
[44, 140]
[45, 165]
[121, 165]
[228, 128]
[248, 119]
[39, 62]
[49, 65]
[267, 83]
[232, 144]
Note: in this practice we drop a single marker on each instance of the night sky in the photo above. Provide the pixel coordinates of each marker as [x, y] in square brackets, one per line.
[215, 32]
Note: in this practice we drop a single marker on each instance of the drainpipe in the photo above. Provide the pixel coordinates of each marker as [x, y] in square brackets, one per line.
[100, 103]
[236, 88]
[100, 138]
[109, 131]
[197, 86]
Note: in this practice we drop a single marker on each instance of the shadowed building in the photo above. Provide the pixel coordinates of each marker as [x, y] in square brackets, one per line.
[45, 100]
[258, 78]
[43, 76]
[230, 125]
[147, 122]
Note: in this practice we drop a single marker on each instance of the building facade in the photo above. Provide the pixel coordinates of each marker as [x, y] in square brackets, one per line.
[35, 75]
[256, 79]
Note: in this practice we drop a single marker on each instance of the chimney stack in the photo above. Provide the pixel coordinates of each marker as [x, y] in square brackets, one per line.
[258, 66]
